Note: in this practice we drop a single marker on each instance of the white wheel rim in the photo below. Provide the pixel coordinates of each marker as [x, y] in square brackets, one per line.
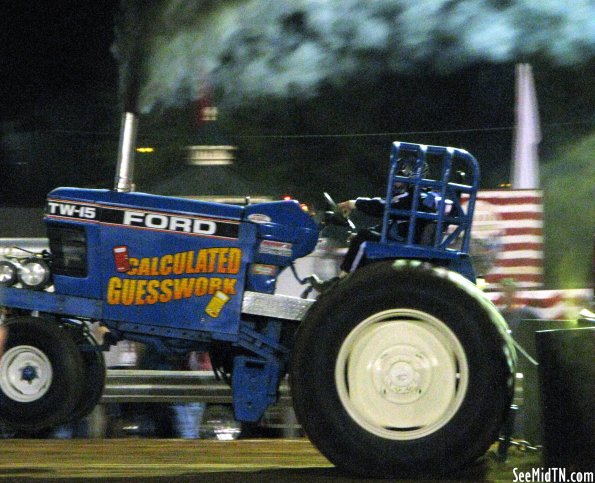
[401, 374]
[25, 373]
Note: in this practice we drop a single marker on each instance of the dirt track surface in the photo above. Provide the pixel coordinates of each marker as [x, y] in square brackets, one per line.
[266, 460]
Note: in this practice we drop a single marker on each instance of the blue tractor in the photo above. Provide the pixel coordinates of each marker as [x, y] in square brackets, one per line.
[402, 368]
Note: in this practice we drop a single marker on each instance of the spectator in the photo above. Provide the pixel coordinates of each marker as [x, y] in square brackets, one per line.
[178, 420]
[513, 311]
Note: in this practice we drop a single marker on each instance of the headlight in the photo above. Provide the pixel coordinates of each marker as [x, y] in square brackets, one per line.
[34, 273]
[8, 273]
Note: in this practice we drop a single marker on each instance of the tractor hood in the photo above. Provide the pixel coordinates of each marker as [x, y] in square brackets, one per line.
[283, 226]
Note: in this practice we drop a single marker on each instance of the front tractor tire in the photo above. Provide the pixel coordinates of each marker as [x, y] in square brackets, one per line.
[94, 373]
[402, 370]
[41, 373]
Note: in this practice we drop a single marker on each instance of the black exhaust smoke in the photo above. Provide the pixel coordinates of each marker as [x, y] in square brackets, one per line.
[249, 49]
[131, 33]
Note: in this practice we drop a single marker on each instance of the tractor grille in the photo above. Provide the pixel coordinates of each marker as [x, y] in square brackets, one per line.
[69, 251]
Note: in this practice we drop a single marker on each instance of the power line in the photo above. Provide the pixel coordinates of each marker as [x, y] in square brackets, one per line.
[337, 135]
[403, 133]
[377, 134]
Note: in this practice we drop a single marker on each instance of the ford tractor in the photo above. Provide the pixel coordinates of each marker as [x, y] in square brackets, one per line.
[401, 368]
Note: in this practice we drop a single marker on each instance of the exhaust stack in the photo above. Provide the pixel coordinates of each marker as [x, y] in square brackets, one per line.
[125, 167]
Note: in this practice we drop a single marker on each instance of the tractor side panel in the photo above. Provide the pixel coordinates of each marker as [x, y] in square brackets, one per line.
[194, 281]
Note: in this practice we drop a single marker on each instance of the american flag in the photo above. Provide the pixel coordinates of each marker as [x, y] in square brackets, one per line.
[549, 304]
[507, 243]
[508, 237]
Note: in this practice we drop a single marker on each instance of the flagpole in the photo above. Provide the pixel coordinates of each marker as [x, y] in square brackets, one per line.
[525, 163]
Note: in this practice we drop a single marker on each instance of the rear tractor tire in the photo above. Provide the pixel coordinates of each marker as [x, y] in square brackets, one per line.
[402, 370]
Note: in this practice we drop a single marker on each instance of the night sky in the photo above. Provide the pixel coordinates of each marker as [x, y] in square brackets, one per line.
[53, 47]
[312, 92]
[438, 72]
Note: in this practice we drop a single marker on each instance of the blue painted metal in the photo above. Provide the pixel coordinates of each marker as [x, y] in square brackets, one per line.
[254, 386]
[255, 380]
[163, 269]
[136, 200]
[285, 232]
[262, 278]
[265, 344]
[462, 265]
[51, 303]
[162, 263]
[446, 244]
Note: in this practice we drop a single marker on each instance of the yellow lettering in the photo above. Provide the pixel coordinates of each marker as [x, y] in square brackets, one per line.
[141, 286]
[166, 290]
[179, 263]
[183, 288]
[128, 287]
[127, 291]
[165, 265]
[234, 260]
[229, 286]
[201, 262]
[155, 266]
[133, 264]
[189, 260]
[212, 259]
[221, 268]
[201, 286]
[144, 267]
[152, 293]
[113, 290]
[214, 284]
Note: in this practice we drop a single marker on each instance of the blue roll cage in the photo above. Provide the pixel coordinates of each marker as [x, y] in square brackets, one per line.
[452, 234]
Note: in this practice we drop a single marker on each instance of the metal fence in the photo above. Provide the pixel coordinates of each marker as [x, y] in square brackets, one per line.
[134, 385]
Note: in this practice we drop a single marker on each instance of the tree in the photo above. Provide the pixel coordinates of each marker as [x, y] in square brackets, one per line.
[569, 183]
